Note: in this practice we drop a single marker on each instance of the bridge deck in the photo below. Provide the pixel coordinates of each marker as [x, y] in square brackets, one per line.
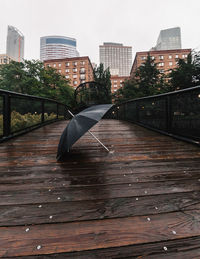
[141, 200]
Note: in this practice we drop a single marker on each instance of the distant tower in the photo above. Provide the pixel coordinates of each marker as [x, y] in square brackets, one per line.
[57, 47]
[117, 57]
[169, 39]
[15, 44]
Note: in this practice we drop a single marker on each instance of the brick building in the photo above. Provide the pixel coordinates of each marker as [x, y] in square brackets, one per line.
[166, 59]
[117, 82]
[5, 59]
[77, 70]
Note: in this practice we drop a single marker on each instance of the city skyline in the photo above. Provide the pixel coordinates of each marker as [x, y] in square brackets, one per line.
[92, 23]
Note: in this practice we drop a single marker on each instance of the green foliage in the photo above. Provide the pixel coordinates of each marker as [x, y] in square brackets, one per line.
[187, 74]
[31, 77]
[19, 121]
[102, 78]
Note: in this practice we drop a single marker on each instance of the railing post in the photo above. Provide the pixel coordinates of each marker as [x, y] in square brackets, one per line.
[168, 114]
[6, 115]
[57, 110]
[137, 112]
[42, 113]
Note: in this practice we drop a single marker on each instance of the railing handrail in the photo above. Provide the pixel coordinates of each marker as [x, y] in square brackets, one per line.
[29, 96]
[46, 115]
[160, 95]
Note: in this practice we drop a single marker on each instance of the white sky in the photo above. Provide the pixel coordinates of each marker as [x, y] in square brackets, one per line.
[135, 23]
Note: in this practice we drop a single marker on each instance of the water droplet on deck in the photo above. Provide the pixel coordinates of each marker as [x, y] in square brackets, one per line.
[174, 232]
[50, 217]
[156, 208]
[39, 247]
[58, 198]
[136, 199]
[148, 219]
[27, 229]
[129, 184]
[165, 248]
[40, 206]
[145, 192]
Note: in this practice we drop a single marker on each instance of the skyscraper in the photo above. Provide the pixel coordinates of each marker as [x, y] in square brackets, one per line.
[57, 47]
[117, 57]
[169, 39]
[15, 44]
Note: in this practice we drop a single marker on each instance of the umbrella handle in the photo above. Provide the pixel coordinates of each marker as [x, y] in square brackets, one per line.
[92, 134]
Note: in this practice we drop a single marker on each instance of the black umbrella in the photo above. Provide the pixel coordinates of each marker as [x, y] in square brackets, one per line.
[79, 125]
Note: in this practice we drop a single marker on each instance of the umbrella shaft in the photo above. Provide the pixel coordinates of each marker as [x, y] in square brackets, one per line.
[98, 140]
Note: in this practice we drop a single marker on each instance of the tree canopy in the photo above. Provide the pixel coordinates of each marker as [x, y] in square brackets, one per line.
[187, 73]
[102, 78]
[31, 77]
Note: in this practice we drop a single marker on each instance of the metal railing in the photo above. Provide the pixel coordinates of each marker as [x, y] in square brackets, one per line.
[20, 113]
[176, 113]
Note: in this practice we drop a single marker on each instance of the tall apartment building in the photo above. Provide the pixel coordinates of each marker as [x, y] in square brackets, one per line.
[77, 70]
[5, 59]
[169, 39]
[117, 57]
[57, 47]
[166, 60]
[15, 44]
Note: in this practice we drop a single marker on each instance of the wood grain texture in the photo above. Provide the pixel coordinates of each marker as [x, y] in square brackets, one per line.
[129, 203]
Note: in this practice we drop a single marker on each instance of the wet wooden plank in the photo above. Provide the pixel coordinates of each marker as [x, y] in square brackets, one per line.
[87, 235]
[97, 209]
[187, 248]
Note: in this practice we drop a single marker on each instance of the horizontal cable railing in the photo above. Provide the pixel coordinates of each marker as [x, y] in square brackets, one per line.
[21, 113]
[175, 113]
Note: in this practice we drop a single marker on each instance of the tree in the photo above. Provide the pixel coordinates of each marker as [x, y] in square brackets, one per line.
[148, 77]
[187, 74]
[102, 78]
[31, 77]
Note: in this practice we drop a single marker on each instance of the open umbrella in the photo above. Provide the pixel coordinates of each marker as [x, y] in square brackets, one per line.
[79, 125]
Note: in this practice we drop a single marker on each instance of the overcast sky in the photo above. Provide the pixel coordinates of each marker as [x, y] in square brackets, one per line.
[135, 23]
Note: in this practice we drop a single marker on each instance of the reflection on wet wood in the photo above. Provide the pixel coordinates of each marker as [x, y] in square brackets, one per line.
[141, 200]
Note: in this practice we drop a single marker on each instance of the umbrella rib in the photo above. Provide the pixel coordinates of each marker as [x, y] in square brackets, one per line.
[91, 134]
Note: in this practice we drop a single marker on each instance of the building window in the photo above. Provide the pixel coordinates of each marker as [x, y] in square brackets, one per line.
[67, 76]
[152, 57]
[75, 82]
[54, 65]
[67, 64]
[82, 81]
[82, 76]
[74, 76]
[161, 57]
[170, 63]
[74, 63]
[74, 69]
[161, 71]
[59, 65]
[143, 58]
[176, 56]
[59, 71]
[82, 63]
[184, 56]
[161, 64]
[115, 85]
[82, 70]
[170, 56]
[67, 70]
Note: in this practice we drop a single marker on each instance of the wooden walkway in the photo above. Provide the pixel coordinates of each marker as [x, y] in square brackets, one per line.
[141, 200]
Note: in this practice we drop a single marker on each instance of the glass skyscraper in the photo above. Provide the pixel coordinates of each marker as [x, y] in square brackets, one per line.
[169, 39]
[15, 44]
[57, 47]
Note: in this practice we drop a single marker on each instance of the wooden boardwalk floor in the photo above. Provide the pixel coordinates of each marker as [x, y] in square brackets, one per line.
[141, 200]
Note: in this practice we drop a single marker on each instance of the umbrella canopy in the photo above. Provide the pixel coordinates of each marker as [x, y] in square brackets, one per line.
[79, 125]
